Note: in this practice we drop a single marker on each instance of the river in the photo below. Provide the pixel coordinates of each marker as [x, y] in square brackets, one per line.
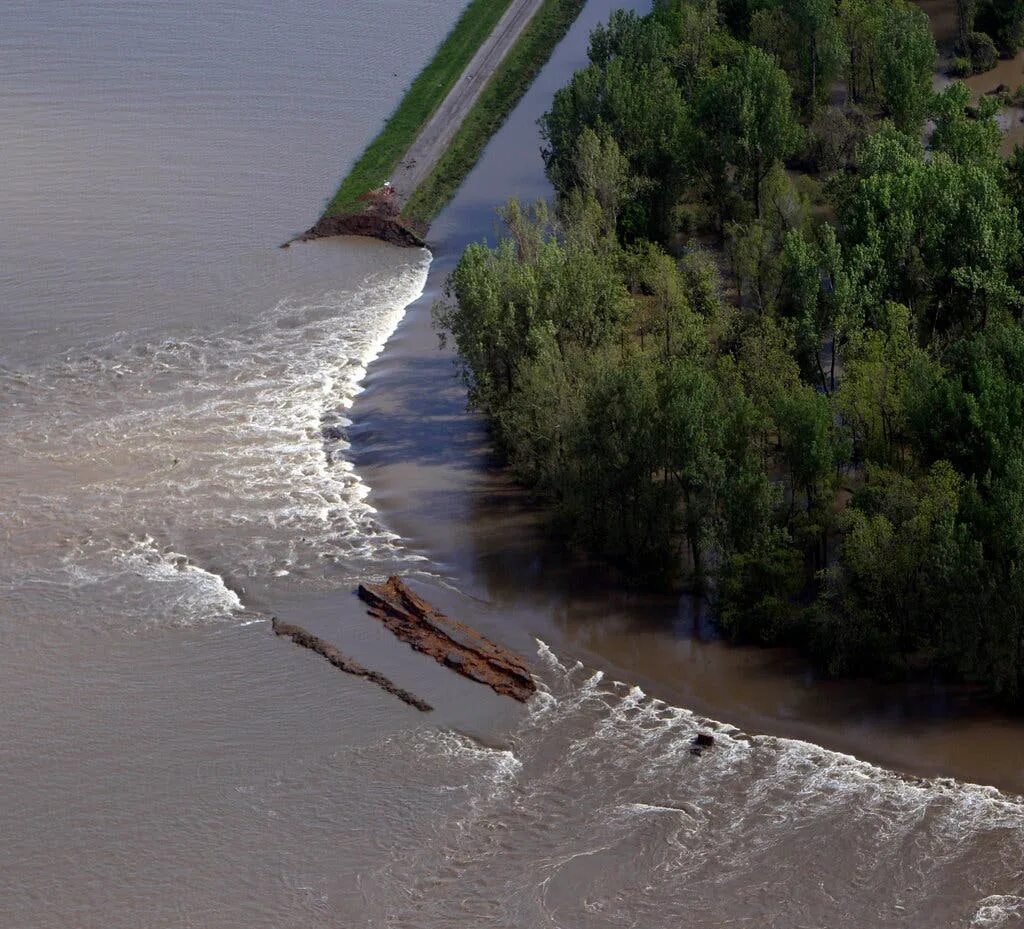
[187, 449]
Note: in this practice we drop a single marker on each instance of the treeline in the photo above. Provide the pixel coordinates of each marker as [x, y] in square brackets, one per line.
[769, 342]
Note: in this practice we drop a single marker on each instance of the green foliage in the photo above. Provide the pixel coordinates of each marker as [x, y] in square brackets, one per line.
[806, 38]
[745, 118]
[757, 599]
[1003, 20]
[806, 432]
[814, 299]
[971, 408]
[934, 234]
[880, 368]
[895, 595]
[961, 67]
[835, 444]
[628, 92]
[631, 440]
[1013, 182]
[906, 59]
[981, 52]
[965, 13]
[861, 22]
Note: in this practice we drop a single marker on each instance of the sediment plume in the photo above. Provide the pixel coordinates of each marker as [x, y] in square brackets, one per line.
[448, 642]
[306, 639]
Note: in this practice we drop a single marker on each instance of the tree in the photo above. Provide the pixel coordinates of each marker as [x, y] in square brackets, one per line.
[933, 234]
[907, 560]
[872, 397]
[1013, 186]
[806, 38]
[861, 22]
[629, 94]
[759, 589]
[601, 175]
[752, 249]
[745, 118]
[906, 57]
[809, 447]
[619, 501]
[966, 138]
[692, 442]
[1004, 21]
[965, 13]
[970, 409]
[806, 301]
[499, 299]
[667, 314]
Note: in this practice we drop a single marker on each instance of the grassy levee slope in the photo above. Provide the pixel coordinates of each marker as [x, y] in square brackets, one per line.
[505, 88]
[424, 96]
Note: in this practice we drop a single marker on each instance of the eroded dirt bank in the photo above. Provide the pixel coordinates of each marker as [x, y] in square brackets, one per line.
[451, 643]
[371, 224]
[380, 217]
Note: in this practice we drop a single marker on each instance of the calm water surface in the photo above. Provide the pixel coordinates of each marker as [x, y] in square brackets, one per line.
[180, 458]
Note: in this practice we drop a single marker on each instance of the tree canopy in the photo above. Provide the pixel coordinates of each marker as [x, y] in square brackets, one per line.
[769, 342]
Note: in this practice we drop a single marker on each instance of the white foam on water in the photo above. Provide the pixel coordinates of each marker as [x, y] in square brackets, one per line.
[999, 910]
[203, 465]
[500, 765]
[608, 818]
[188, 592]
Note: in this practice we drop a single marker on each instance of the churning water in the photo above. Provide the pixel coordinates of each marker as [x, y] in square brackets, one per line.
[175, 465]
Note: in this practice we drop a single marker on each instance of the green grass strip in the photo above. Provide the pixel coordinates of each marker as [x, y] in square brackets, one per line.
[424, 96]
[508, 84]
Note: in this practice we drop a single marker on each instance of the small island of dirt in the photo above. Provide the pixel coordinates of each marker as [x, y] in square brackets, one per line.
[448, 642]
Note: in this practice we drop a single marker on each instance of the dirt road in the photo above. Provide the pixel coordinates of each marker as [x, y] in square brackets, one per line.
[433, 140]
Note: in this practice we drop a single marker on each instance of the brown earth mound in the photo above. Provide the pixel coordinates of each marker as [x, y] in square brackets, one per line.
[380, 218]
[448, 642]
[370, 225]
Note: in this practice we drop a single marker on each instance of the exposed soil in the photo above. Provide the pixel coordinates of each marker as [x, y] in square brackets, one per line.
[365, 224]
[448, 642]
[322, 647]
[380, 218]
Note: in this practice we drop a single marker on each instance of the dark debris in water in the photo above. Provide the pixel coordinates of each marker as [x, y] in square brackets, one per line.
[324, 648]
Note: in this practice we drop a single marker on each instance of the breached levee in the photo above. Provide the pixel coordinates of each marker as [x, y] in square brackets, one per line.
[322, 647]
[371, 225]
[448, 642]
[380, 217]
[411, 170]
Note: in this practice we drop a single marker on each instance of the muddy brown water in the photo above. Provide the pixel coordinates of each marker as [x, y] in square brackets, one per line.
[1008, 72]
[184, 452]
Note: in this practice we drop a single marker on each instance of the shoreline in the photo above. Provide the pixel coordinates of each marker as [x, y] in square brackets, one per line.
[435, 482]
[414, 166]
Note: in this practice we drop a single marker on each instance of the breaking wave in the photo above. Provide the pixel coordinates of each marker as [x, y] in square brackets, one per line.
[601, 814]
[181, 474]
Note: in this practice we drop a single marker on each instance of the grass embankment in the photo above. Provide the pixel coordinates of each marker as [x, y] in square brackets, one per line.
[425, 95]
[511, 80]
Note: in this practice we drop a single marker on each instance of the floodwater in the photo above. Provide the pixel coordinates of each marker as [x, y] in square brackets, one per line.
[1007, 75]
[185, 451]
